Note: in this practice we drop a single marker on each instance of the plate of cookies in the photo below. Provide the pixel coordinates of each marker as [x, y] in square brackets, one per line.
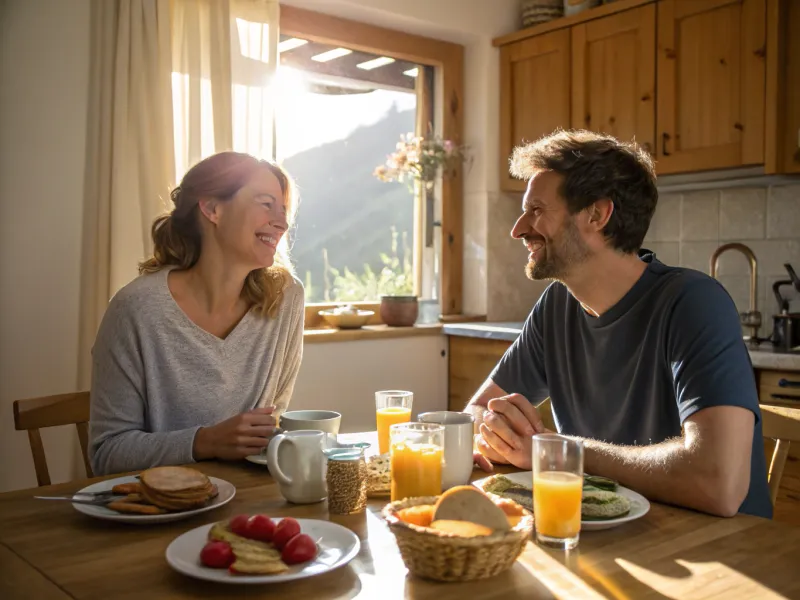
[156, 495]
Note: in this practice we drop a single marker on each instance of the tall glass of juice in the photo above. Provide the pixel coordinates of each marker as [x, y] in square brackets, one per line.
[416, 456]
[557, 490]
[391, 406]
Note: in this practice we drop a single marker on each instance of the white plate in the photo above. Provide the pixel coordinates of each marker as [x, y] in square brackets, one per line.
[639, 504]
[258, 459]
[337, 547]
[226, 492]
[331, 442]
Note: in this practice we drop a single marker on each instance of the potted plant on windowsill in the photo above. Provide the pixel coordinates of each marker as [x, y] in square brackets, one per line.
[418, 161]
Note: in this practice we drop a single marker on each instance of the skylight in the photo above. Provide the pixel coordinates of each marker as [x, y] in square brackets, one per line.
[291, 44]
[331, 55]
[375, 63]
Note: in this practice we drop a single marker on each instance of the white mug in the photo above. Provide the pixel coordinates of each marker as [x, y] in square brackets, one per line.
[458, 439]
[317, 420]
[296, 461]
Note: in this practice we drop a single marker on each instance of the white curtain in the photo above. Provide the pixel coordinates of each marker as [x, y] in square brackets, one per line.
[172, 81]
[224, 60]
[130, 164]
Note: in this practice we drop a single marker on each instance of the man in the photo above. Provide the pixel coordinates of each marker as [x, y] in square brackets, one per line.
[643, 362]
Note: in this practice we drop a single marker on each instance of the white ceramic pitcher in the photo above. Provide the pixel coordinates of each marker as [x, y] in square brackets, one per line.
[296, 461]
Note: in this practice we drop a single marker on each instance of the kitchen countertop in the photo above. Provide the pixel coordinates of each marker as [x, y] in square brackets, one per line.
[762, 357]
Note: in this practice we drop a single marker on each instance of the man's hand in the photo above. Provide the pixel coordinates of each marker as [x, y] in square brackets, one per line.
[485, 455]
[505, 434]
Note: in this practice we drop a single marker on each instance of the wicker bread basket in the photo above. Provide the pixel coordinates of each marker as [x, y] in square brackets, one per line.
[447, 557]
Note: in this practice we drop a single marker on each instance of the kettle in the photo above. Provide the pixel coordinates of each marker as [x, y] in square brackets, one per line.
[785, 325]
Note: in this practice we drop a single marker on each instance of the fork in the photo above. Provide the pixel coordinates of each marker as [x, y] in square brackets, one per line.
[97, 501]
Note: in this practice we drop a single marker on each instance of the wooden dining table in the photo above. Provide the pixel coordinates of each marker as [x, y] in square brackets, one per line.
[50, 550]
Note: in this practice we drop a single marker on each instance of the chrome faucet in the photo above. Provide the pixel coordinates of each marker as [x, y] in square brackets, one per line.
[752, 318]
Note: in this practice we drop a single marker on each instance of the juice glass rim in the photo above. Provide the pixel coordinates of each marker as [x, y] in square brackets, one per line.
[417, 427]
[545, 447]
[394, 393]
[557, 438]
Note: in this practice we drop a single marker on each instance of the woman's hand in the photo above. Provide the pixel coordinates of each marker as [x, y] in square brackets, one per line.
[243, 435]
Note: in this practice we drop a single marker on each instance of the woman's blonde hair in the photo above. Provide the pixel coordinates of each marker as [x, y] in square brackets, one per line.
[177, 235]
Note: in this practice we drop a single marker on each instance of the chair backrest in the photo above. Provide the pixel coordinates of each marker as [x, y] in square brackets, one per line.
[783, 425]
[51, 411]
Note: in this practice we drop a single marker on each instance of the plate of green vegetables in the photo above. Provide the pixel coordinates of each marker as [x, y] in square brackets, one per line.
[605, 503]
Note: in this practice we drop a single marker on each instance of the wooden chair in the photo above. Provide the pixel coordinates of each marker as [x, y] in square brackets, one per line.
[50, 411]
[783, 425]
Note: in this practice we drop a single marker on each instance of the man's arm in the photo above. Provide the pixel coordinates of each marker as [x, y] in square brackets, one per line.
[708, 468]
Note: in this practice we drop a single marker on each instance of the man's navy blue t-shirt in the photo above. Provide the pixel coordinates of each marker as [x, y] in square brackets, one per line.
[670, 347]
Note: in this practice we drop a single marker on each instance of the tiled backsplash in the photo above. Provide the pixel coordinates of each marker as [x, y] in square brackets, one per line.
[685, 231]
[688, 227]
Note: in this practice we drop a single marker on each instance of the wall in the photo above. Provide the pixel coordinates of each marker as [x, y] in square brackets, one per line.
[685, 231]
[344, 376]
[688, 227]
[44, 70]
[510, 294]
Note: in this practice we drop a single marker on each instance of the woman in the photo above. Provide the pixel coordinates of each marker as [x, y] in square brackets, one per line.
[194, 355]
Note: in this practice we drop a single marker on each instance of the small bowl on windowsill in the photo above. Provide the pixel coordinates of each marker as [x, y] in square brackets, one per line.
[347, 317]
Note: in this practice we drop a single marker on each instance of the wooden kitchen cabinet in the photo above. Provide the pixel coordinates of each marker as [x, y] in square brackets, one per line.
[783, 87]
[711, 84]
[614, 75]
[471, 360]
[534, 92]
[705, 85]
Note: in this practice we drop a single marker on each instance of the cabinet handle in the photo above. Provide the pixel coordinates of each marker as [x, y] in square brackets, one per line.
[664, 140]
[788, 383]
[786, 398]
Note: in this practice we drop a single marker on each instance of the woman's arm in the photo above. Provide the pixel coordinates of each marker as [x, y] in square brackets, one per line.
[119, 441]
[294, 352]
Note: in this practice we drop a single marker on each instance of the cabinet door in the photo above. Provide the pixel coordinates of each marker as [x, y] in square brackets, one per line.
[534, 94]
[614, 75]
[711, 84]
[783, 87]
[471, 361]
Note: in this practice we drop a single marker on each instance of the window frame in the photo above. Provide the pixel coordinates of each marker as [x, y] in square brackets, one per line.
[447, 59]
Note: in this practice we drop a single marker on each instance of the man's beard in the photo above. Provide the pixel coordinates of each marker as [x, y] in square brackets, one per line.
[559, 255]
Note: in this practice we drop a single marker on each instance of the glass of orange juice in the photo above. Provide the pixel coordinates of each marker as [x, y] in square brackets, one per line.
[391, 406]
[557, 490]
[416, 456]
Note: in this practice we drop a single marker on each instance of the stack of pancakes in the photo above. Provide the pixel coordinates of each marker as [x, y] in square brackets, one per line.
[176, 488]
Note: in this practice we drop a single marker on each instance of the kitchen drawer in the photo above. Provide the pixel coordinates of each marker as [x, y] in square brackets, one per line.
[779, 387]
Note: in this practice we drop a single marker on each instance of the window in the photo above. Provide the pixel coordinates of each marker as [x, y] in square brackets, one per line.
[330, 99]
[338, 114]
